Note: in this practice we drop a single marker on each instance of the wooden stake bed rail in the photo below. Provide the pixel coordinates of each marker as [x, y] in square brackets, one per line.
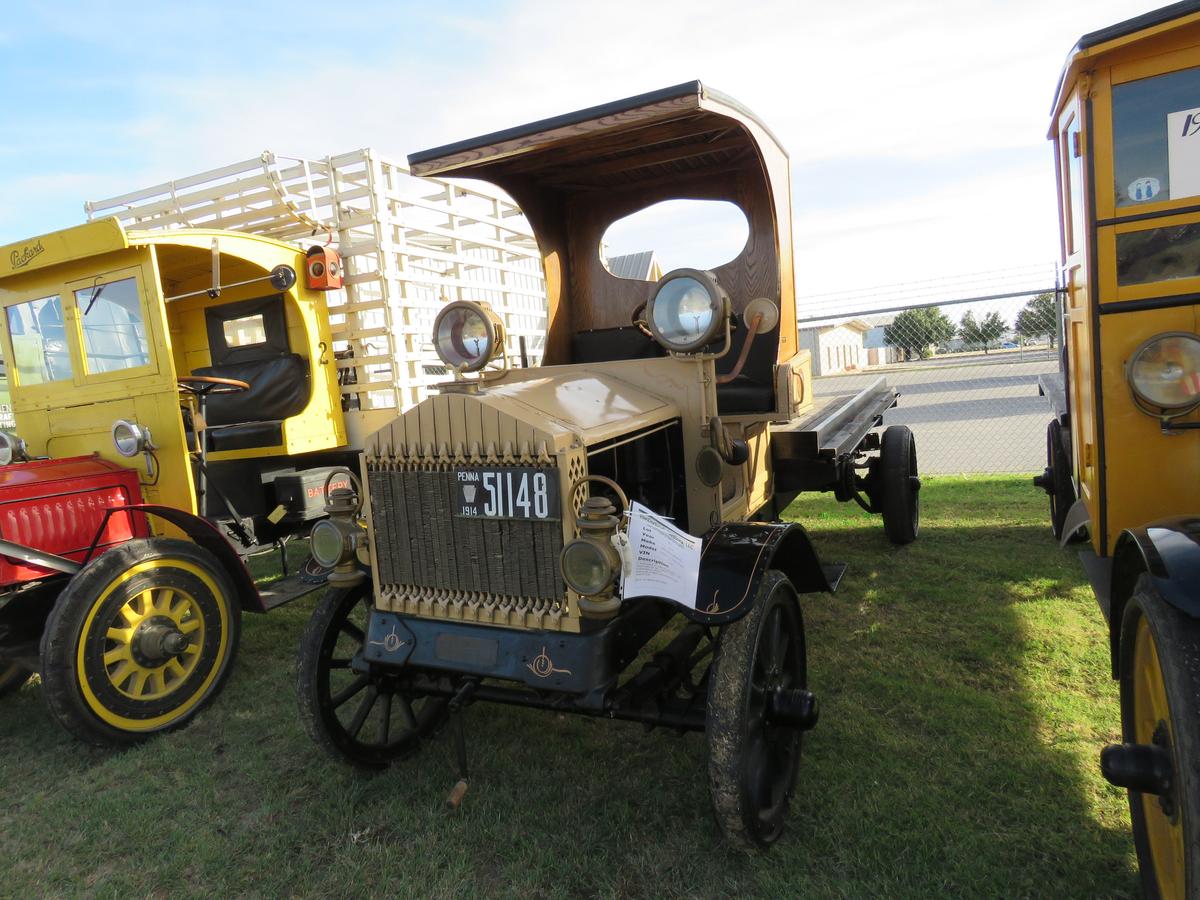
[409, 245]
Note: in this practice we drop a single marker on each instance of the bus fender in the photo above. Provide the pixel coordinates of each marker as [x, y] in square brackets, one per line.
[1169, 552]
[736, 555]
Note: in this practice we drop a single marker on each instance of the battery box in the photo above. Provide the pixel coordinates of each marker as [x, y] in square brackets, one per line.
[302, 493]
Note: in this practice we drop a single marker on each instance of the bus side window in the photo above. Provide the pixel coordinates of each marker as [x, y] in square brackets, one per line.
[1152, 121]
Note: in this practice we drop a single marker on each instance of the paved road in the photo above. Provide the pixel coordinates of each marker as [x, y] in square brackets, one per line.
[973, 415]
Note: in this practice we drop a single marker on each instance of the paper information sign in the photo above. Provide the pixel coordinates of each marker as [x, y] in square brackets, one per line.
[1183, 152]
[664, 560]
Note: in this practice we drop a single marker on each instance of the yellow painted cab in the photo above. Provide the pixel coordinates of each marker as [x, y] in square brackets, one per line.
[198, 357]
[164, 384]
[1123, 448]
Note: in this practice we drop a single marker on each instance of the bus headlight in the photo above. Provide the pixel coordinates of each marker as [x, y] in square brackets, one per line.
[12, 448]
[467, 335]
[1164, 372]
[687, 311]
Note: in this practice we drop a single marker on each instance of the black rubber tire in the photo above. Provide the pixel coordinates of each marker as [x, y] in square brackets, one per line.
[155, 570]
[1062, 488]
[1176, 642]
[325, 683]
[734, 727]
[12, 678]
[898, 487]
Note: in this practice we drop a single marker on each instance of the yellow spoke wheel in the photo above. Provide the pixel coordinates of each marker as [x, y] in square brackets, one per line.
[136, 661]
[139, 640]
[1160, 705]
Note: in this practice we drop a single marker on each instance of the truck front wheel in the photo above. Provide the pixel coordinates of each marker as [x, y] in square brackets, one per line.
[364, 716]
[759, 667]
[139, 640]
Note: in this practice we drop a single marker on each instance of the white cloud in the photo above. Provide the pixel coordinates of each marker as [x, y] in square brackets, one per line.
[869, 84]
[976, 225]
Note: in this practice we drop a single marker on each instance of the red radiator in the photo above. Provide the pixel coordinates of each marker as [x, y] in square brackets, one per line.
[56, 505]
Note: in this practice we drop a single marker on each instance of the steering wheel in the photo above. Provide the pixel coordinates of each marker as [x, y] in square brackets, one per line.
[203, 385]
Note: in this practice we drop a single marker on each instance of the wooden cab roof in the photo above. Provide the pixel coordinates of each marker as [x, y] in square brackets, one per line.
[574, 175]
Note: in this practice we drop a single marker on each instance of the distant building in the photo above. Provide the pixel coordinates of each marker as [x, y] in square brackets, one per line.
[879, 352]
[635, 266]
[836, 345]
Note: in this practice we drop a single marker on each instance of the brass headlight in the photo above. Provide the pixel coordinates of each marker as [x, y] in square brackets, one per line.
[1164, 373]
[588, 566]
[330, 543]
[687, 311]
[467, 335]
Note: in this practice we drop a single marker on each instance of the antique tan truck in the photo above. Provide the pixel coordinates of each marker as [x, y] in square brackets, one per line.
[508, 534]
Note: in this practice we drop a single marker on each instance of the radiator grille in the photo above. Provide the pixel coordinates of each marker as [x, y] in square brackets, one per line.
[420, 543]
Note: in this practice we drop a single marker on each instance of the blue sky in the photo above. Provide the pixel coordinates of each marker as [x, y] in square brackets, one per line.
[917, 129]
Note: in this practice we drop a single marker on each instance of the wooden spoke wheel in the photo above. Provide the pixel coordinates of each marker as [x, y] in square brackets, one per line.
[1160, 706]
[358, 712]
[758, 674]
[897, 486]
[12, 677]
[139, 640]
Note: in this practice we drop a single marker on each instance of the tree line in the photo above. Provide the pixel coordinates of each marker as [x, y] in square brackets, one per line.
[916, 332]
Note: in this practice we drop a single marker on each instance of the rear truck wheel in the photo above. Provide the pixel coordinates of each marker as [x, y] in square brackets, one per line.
[1159, 763]
[1056, 480]
[898, 485]
[139, 641]
[758, 708]
[12, 677]
[357, 711]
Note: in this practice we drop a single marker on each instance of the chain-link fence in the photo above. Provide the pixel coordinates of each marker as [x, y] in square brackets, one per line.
[966, 371]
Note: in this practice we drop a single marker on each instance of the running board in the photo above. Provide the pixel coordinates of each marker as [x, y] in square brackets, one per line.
[833, 574]
[285, 590]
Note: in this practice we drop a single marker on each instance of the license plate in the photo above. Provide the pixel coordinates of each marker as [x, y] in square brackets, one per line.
[517, 492]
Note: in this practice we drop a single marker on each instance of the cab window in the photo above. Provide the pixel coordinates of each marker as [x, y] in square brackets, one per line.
[1156, 138]
[39, 340]
[114, 332]
[6, 413]
[1072, 150]
[248, 331]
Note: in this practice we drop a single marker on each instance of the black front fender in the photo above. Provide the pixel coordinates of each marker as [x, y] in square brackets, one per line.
[736, 556]
[203, 533]
[1169, 552]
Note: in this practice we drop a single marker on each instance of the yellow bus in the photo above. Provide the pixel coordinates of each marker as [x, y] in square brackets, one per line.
[1123, 467]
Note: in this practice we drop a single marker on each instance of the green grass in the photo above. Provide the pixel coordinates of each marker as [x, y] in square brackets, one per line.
[965, 696]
